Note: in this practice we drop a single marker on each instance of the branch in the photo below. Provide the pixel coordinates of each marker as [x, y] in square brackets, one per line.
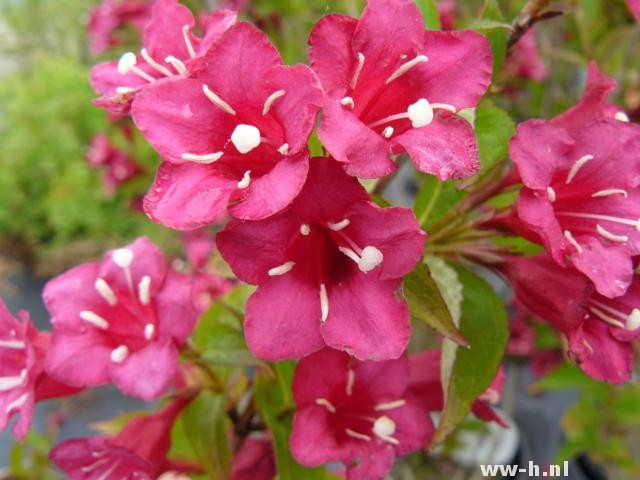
[532, 12]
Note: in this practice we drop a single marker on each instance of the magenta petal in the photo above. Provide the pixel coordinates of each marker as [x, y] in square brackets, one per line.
[634, 6]
[214, 26]
[23, 425]
[367, 317]
[371, 461]
[177, 315]
[163, 35]
[538, 216]
[79, 360]
[189, 196]
[322, 373]
[446, 148]
[105, 79]
[413, 426]
[273, 191]
[384, 381]
[147, 373]
[312, 443]
[275, 333]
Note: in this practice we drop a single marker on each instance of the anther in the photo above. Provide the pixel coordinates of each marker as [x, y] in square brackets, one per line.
[611, 236]
[420, 113]
[577, 166]
[176, 63]
[381, 407]
[281, 269]
[119, 354]
[551, 194]
[387, 132]
[305, 229]
[13, 344]
[370, 258]
[336, 227]
[269, 101]
[9, 383]
[106, 292]
[246, 180]
[610, 191]
[127, 64]
[572, 240]
[284, 149]
[94, 319]
[326, 403]
[217, 101]
[384, 427]
[245, 137]
[404, 68]
[144, 290]
[621, 116]
[149, 331]
[124, 90]
[356, 74]
[122, 257]
[149, 59]
[348, 102]
[633, 320]
[324, 303]
[187, 41]
[206, 158]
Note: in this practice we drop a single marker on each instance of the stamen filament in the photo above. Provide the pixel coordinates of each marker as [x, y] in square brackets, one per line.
[13, 344]
[336, 227]
[606, 318]
[356, 74]
[356, 435]
[606, 218]
[217, 101]
[106, 292]
[551, 194]
[577, 166]
[269, 101]
[157, 66]
[351, 379]
[324, 303]
[206, 158]
[176, 63]
[144, 290]
[610, 235]
[326, 403]
[94, 319]
[187, 41]
[404, 68]
[281, 269]
[569, 236]
[381, 407]
[610, 191]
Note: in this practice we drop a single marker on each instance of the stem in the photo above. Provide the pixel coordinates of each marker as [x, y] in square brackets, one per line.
[531, 13]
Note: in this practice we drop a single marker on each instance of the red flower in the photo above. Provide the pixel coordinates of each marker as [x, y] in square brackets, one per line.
[119, 167]
[336, 261]
[581, 173]
[358, 413]
[110, 15]
[120, 320]
[599, 330]
[169, 49]
[226, 140]
[394, 87]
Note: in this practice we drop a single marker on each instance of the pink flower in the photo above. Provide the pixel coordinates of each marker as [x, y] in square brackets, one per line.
[110, 15]
[524, 59]
[447, 12]
[634, 6]
[336, 260]
[120, 320]
[581, 173]
[170, 49]
[229, 141]
[394, 87]
[119, 167]
[426, 387]
[599, 330]
[254, 460]
[138, 452]
[357, 413]
[22, 379]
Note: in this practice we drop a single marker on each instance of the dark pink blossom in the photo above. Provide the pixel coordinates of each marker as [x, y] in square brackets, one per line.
[357, 413]
[233, 132]
[447, 11]
[110, 15]
[119, 168]
[138, 452]
[581, 173]
[394, 87]
[170, 49]
[524, 59]
[634, 7]
[120, 321]
[336, 260]
[599, 330]
[426, 387]
[254, 460]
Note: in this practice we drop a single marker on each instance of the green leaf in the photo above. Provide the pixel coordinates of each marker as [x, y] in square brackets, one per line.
[468, 372]
[491, 24]
[494, 128]
[208, 428]
[434, 199]
[430, 13]
[428, 305]
[450, 287]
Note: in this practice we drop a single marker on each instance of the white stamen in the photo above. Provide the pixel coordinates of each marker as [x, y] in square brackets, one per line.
[284, 149]
[633, 320]
[404, 68]
[588, 346]
[606, 218]
[126, 63]
[305, 229]
[245, 137]
[123, 90]
[336, 227]
[381, 407]
[149, 331]
[603, 316]
[611, 236]
[621, 116]
[577, 166]
[12, 344]
[149, 59]
[217, 101]
[551, 194]
[206, 158]
[187, 41]
[324, 302]
[122, 257]
[356, 74]
[9, 383]
[384, 427]
[444, 106]
[246, 180]
[269, 101]
[351, 380]
[387, 132]
[348, 102]
[94, 319]
[371, 257]
[17, 403]
[420, 113]
[356, 435]
[120, 354]
[176, 63]
[144, 290]
[326, 403]
[572, 241]
[610, 191]
[106, 292]
[95, 465]
[282, 269]
[350, 253]
[609, 309]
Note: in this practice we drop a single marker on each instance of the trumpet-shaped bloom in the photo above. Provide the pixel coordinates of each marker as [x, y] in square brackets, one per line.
[336, 260]
[599, 330]
[233, 132]
[357, 413]
[393, 87]
[170, 49]
[120, 321]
